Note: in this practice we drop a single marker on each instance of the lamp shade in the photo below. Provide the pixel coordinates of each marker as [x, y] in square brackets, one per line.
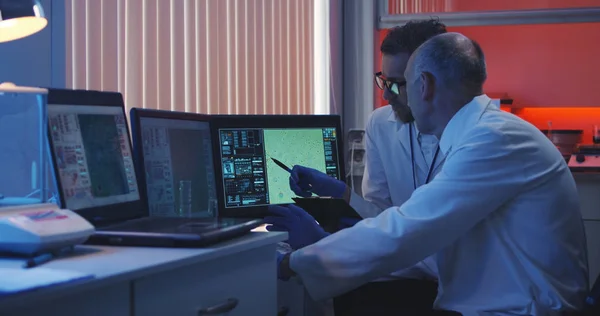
[20, 18]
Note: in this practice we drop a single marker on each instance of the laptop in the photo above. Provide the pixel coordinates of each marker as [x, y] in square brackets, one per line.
[96, 177]
[251, 149]
[174, 160]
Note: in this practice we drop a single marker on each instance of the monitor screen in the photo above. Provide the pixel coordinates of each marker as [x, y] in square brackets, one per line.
[93, 155]
[251, 178]
[179, 170]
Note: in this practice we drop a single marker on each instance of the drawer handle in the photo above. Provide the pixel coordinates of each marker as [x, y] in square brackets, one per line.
[283, 311]
[225, 307]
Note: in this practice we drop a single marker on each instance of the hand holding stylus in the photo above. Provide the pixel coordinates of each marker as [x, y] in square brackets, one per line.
[305, 181]
[306, 190]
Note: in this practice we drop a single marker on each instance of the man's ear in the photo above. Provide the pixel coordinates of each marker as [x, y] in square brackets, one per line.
[428, 85]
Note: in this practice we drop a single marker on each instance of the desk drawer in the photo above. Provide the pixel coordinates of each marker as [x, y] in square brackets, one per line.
[592, 232]
[589, 198]
[241, 284]
[111, 300]
[290, 297]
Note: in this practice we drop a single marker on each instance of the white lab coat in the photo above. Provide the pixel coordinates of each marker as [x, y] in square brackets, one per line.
[388, 175]
[502, 218]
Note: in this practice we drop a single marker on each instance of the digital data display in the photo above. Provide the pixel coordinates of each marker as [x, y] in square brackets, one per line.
[179, 169]
[93, 155]
[251, 178]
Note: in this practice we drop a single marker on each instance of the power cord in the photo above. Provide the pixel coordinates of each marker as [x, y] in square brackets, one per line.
[52, 199]
[351, 172]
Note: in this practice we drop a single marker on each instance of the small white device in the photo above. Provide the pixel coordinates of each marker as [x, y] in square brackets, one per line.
[585, 158]
[35, 229]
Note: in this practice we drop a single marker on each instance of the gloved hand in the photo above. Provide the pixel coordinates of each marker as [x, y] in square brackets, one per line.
[305, 181]
[302, 228]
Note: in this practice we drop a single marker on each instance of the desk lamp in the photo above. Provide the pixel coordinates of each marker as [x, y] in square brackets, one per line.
[20, 18]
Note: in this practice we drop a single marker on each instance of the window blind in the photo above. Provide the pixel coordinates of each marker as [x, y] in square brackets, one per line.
[419, 6]
[205, 56]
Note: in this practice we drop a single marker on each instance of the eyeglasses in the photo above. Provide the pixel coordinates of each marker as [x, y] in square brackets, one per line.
[393, 86]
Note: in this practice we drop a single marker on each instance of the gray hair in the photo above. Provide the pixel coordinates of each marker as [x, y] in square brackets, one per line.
[454, 60]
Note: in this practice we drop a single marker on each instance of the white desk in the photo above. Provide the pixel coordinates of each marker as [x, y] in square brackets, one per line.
[160, 281]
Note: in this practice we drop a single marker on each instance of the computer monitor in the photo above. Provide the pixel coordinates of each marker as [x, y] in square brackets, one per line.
[91, 151]
[174, 155]
[249, 178]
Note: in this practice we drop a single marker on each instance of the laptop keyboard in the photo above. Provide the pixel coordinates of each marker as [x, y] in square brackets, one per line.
[156, 224]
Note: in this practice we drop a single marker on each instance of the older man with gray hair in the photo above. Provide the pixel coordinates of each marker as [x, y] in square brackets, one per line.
[502, 216]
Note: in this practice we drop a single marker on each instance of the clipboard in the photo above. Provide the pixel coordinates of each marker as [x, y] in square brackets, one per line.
[327, 210]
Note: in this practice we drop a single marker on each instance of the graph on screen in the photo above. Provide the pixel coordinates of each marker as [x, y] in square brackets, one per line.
[292, 147]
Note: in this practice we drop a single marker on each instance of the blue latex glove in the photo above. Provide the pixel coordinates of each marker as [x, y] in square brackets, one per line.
[302, 228]
[305, 181]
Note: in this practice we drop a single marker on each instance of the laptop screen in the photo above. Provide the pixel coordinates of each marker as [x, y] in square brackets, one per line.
[179, 170]
[251, 177]
[93, 155]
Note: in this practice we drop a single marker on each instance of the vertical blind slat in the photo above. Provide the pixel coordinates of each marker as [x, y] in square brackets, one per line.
[69, 44]
[189, 40]
[279, 61]
[178, 57]
[250, 46]
[79, 48]
[109, 46]
[261, 82]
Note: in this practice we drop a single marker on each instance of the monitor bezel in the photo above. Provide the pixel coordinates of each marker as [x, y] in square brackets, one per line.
[135, 116]
[105, 214]
[267, 121]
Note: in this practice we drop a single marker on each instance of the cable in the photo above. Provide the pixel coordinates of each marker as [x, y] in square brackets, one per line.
[351, 157]
[53, 198]
[32, 193]
[352, 164]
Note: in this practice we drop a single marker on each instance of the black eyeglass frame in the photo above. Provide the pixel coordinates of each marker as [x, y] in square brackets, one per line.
[383, 83]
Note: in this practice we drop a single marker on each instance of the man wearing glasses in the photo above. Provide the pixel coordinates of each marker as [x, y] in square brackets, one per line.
[398, 160]
[502, 217]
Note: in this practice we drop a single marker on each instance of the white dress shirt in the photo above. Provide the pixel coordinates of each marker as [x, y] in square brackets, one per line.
[502, 218]
[388, 176]
[427, 145]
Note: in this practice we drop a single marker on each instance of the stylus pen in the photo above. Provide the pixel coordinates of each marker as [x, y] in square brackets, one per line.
[45, 258]
[282, 165]
[38, 260]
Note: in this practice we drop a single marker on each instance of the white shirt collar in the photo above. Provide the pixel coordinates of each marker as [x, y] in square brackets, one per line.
[456, 125]
[392, 117]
